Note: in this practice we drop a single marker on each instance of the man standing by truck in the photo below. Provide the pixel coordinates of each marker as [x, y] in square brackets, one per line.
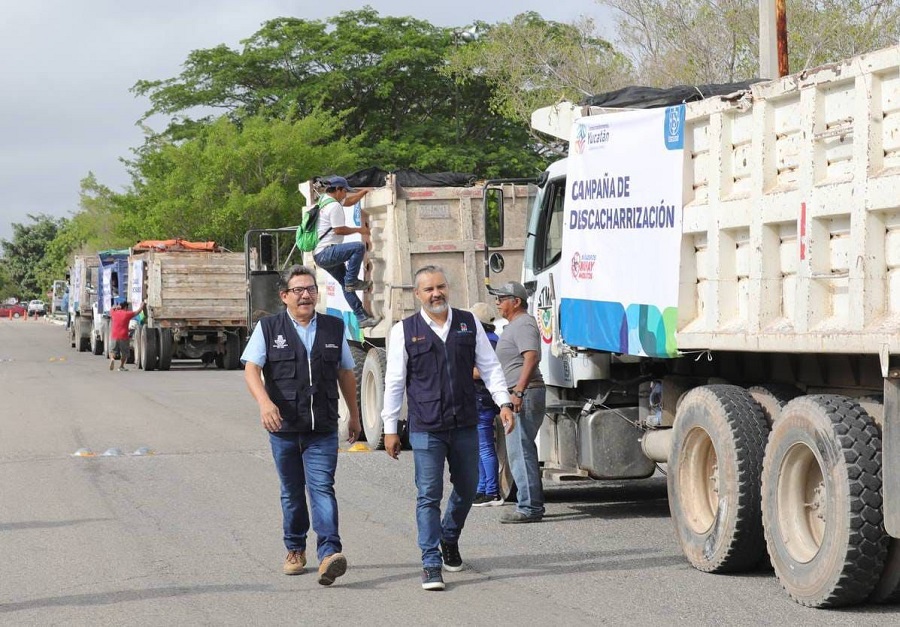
[304, 357]
[340, 259]
[431, 356]
[119, 318]
[519, 350]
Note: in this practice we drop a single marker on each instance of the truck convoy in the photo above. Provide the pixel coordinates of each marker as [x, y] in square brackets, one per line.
[410, 227]
[718, 289]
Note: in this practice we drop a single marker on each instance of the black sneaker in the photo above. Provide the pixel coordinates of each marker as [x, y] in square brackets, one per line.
[432, 579]
[452, 561]
[478, 497]
[488, 500]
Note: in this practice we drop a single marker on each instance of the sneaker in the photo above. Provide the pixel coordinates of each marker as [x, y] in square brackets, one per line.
[488, 500]
[518, 517]
[112, 364]
[332, 567]
[357, 286]
[478, 497]
[452, 560]
[123, 369]
[432, 579]
[294, 563]
[368, 321]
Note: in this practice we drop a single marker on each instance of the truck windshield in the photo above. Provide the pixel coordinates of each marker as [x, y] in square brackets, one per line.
[544, 245]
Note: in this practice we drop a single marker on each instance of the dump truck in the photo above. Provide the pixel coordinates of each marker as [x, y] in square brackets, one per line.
[83, 277]
[112, 290]
[196, 303]
[409, 227]
[717, 285]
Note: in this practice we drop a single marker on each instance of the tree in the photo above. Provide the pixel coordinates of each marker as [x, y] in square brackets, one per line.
[381, 74]
[232, 177]
[531, 63]
[714, 41]
[23, 254]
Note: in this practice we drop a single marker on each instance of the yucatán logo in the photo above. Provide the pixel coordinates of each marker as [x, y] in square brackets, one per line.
[583, 266]
[280, 342]
[580, 138]
[674, 127]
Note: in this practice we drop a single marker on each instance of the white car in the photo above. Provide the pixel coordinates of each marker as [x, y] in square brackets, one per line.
[36, 308]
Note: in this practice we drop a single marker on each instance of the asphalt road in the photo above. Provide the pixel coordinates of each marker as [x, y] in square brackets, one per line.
[191, 534]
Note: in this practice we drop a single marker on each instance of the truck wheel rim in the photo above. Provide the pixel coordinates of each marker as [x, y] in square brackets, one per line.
[699, 480]
[802, 499]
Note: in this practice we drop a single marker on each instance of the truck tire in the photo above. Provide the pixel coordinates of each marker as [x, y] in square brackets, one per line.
[104, 333]
[821, 501]
[372, 397]
[149, 349]
[505, 481]
[232, 358]
[772, 397]
[137, 345]
[887, 590]
[96, 344]
[82, 334]
[714, 478]
[166, 348]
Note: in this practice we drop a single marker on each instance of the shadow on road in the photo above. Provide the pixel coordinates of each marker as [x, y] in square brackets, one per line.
[48, 524]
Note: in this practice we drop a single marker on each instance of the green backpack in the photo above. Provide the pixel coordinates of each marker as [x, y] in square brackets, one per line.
[308, 231]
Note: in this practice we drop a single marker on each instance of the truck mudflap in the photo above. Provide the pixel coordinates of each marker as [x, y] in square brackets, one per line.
[891, 453]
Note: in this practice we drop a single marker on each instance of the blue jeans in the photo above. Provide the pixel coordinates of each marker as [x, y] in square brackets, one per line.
[459, 447]
[488, 468]
[522, 452]
[306, 462]
[332, 260]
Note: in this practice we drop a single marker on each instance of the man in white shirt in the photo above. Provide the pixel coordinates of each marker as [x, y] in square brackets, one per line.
[342, 260]
[431, 355]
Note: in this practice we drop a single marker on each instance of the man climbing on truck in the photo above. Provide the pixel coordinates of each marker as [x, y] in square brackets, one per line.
[340, 259]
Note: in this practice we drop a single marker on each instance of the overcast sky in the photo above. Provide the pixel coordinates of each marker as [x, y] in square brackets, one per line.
[67, 66]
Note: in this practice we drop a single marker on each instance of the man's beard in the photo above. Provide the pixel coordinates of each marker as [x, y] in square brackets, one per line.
[437, 308]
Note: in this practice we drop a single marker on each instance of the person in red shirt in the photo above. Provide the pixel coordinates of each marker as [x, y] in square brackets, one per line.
[118, 333]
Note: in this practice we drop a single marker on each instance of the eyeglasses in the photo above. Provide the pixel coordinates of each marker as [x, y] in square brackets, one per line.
[298, 291]
[500, 299]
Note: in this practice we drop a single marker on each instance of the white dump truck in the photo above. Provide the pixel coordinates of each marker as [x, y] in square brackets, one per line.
[196, 295]
[410, 227]
[718, 288]
[83, 279]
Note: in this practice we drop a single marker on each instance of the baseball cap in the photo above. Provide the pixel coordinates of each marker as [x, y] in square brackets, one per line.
[338, 181]
[484, 312]
[511, 288]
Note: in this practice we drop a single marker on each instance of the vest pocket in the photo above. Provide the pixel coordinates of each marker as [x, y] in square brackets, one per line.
[282, 364]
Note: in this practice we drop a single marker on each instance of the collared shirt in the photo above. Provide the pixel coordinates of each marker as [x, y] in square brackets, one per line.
[255, 352]
[395, 375]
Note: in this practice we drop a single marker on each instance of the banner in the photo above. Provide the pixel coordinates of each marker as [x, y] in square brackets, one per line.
[622, 232]
[136, 285]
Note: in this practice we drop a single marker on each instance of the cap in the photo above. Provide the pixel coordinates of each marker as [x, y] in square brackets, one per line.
[338, 181]
[510, 288]
[484, 312]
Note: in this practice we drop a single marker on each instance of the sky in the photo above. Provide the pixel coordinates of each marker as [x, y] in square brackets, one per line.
[67, 67]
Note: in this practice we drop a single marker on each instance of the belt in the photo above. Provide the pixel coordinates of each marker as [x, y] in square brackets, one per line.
[530, 386]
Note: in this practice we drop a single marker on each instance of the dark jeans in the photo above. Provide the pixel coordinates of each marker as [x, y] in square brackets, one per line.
[333, 260]
[488, 467]
[306, 463]
[459, 448]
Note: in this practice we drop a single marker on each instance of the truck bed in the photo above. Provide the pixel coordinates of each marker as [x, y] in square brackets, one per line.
[791, 219]
[198, 289]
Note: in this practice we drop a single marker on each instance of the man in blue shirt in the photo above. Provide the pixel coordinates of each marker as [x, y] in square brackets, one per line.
[294, 363]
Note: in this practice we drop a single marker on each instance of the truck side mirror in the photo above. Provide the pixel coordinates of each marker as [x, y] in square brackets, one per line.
[493, 217]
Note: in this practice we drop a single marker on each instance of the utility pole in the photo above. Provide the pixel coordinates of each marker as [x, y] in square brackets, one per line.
[773, 48]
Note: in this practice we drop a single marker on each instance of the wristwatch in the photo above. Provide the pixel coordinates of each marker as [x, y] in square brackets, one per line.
[519, 394]
[506, 406]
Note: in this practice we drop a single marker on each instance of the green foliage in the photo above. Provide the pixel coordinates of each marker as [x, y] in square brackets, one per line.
[230, 178]
[531, 63]
[382, 74]
[23, 255]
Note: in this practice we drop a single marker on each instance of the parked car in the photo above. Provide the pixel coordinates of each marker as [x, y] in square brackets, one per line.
[15, 310]
[36, 308]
